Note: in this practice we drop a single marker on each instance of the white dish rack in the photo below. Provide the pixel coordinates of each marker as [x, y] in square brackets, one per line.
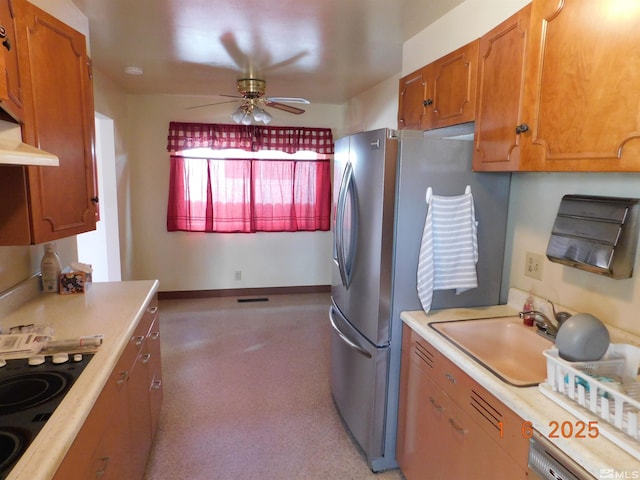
[608, 388]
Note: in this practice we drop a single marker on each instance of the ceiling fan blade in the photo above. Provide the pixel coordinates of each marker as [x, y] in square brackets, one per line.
[289, 100]
[283, 107]
[217, 103]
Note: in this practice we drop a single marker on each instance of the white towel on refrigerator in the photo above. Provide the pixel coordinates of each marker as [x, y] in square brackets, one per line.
[449, 249]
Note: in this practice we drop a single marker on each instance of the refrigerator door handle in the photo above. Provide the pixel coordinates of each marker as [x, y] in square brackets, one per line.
[344, 337]
[347, 189]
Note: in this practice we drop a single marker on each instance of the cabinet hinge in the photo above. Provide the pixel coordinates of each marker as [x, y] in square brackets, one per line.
[90, 69]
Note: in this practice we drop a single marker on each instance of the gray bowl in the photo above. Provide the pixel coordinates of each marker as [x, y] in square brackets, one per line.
[582, 338]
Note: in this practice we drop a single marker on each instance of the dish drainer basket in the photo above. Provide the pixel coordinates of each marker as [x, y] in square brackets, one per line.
[608, 388]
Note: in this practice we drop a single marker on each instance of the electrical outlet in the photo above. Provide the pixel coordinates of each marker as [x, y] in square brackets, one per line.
[238, 274]
[533, 265]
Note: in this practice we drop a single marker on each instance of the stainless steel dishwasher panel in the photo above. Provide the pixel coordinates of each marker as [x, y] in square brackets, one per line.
[358, 382]
[548, 462]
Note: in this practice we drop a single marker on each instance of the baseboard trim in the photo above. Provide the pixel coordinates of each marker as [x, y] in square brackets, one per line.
[242, 292]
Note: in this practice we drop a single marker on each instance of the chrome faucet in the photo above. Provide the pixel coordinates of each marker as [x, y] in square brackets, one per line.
[546, 325]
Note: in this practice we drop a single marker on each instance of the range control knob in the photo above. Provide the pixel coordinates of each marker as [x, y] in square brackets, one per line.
[3, 362]
[35, 360]
[60, 358]
[77, 357]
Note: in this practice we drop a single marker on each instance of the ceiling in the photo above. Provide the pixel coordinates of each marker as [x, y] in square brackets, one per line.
[324, 50]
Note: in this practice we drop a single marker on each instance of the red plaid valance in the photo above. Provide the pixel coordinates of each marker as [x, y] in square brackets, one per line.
[250, 138]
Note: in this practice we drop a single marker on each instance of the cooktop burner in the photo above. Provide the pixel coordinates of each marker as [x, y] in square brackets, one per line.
[30, 389]
[29, 394]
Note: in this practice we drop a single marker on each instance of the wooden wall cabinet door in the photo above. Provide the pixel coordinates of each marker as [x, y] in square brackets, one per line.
[454, 87]
[501, 79]
[414, 102]
[57, 96]
[442, 93]
[581, 98]
[10, 90]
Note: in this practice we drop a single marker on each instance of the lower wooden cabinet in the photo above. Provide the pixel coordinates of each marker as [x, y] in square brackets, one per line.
[448, 425]
[115, 441]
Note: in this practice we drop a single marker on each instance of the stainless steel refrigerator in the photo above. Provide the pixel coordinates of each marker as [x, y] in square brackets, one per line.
[379, 210]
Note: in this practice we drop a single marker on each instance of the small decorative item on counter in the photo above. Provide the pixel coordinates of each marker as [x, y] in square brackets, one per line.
[75, 279]
[50, 268]
[528, 307]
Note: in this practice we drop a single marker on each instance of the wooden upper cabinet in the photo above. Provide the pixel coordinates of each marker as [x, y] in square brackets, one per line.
[442, 93]
[501, 79]
[413, 95]
[10, 90]
[58, 117]
[454, 87]
[578, 107]
[582, 97]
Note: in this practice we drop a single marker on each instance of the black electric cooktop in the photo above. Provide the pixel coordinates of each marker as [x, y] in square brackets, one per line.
[29, 394]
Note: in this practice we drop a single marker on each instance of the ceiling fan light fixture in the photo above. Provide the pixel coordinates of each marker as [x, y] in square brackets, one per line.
[247, 119]
[248, 113]
[261, 115]
[238, 115]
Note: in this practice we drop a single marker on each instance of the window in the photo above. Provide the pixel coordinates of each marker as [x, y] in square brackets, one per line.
[252, 189]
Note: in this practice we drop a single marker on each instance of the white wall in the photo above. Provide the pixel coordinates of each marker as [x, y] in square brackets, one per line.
[535, 196]
[466, 22]
[101, 247]
[375, 108]
[203, 261]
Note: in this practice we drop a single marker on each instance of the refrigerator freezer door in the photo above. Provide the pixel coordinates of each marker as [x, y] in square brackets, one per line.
[358, 384]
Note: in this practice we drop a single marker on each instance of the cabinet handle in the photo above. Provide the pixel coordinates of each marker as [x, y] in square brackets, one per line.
[156, 384]
[154, 335]
[105, 463]
[145, 358]
[138, 340]
[427, 103]
[457, 427]
[522, 128]
[439, 408]
[152, 310]
[450, 377]
[3, 34]
[123, 376]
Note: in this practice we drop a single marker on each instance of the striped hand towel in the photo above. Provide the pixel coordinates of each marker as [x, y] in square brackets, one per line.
[449, 249]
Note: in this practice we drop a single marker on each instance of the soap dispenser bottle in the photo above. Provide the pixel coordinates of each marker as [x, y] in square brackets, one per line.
[50, 268]
[528, 307]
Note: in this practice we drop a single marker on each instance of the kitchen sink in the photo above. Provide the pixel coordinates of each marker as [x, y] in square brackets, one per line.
[504, 345]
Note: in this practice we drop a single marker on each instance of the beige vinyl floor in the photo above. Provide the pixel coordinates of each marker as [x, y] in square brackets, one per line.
[246, 394]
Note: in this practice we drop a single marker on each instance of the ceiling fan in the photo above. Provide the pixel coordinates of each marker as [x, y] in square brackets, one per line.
[251, 94]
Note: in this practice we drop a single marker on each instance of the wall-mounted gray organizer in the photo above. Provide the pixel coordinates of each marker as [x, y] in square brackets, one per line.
[596, 234]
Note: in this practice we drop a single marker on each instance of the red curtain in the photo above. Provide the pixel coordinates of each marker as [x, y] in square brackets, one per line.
[239, 195]
[251, 138]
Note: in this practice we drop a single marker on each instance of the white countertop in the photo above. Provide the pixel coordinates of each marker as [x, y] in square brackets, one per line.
[111, 309]
[529, 403]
